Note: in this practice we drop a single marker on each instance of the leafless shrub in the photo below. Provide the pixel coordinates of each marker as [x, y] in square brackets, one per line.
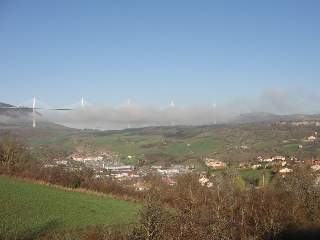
[14, 156]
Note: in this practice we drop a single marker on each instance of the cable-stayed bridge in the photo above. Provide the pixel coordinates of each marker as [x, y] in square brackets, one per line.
[36, 105]
[127, 114]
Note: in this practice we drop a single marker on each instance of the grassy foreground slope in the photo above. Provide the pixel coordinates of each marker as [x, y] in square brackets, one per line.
[29, 209]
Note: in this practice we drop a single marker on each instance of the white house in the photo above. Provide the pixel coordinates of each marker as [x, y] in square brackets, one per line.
[279, 158]
[312, 139]
[256, 166]
[266, 160]
[285, 170]
[315, 168]
[212, 163]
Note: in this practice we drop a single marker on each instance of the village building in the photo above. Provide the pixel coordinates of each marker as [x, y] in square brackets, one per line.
[279, 158]
[266, 160]
[311, 139]
[84, 158]
[204, 181]
[256, 166]
[212, 163]
[315, 162]
[244, 165]
[156, 167]
[62, 162]
[123, 168]
[285, 170]
[315, 168]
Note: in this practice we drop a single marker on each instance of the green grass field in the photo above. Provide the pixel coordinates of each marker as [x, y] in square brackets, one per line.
[27, 209]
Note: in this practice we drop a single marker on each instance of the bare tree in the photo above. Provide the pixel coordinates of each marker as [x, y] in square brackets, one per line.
[13, 154]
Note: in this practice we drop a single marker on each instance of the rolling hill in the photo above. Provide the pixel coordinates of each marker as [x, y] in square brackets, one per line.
[28, 209]
[244, 139]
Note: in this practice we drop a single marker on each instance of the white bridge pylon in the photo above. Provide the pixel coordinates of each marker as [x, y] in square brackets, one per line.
[34, 112]
[83, 103]
[37, 105]
[78, 105]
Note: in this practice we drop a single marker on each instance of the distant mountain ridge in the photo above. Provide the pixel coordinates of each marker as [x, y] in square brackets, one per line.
[5, 105]
[22, 118]
[14, 113]
[270, 117]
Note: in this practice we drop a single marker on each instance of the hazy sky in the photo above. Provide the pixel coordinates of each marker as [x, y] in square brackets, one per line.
[192, 52]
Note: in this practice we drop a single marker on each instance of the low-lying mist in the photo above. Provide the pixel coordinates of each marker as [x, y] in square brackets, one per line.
[276, 101]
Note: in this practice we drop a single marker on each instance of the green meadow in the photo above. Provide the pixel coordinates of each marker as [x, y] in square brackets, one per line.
[27, 209]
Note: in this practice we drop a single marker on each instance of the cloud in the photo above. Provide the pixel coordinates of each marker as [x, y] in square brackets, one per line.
[104, 117]
[289, 101]
[276, 101]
